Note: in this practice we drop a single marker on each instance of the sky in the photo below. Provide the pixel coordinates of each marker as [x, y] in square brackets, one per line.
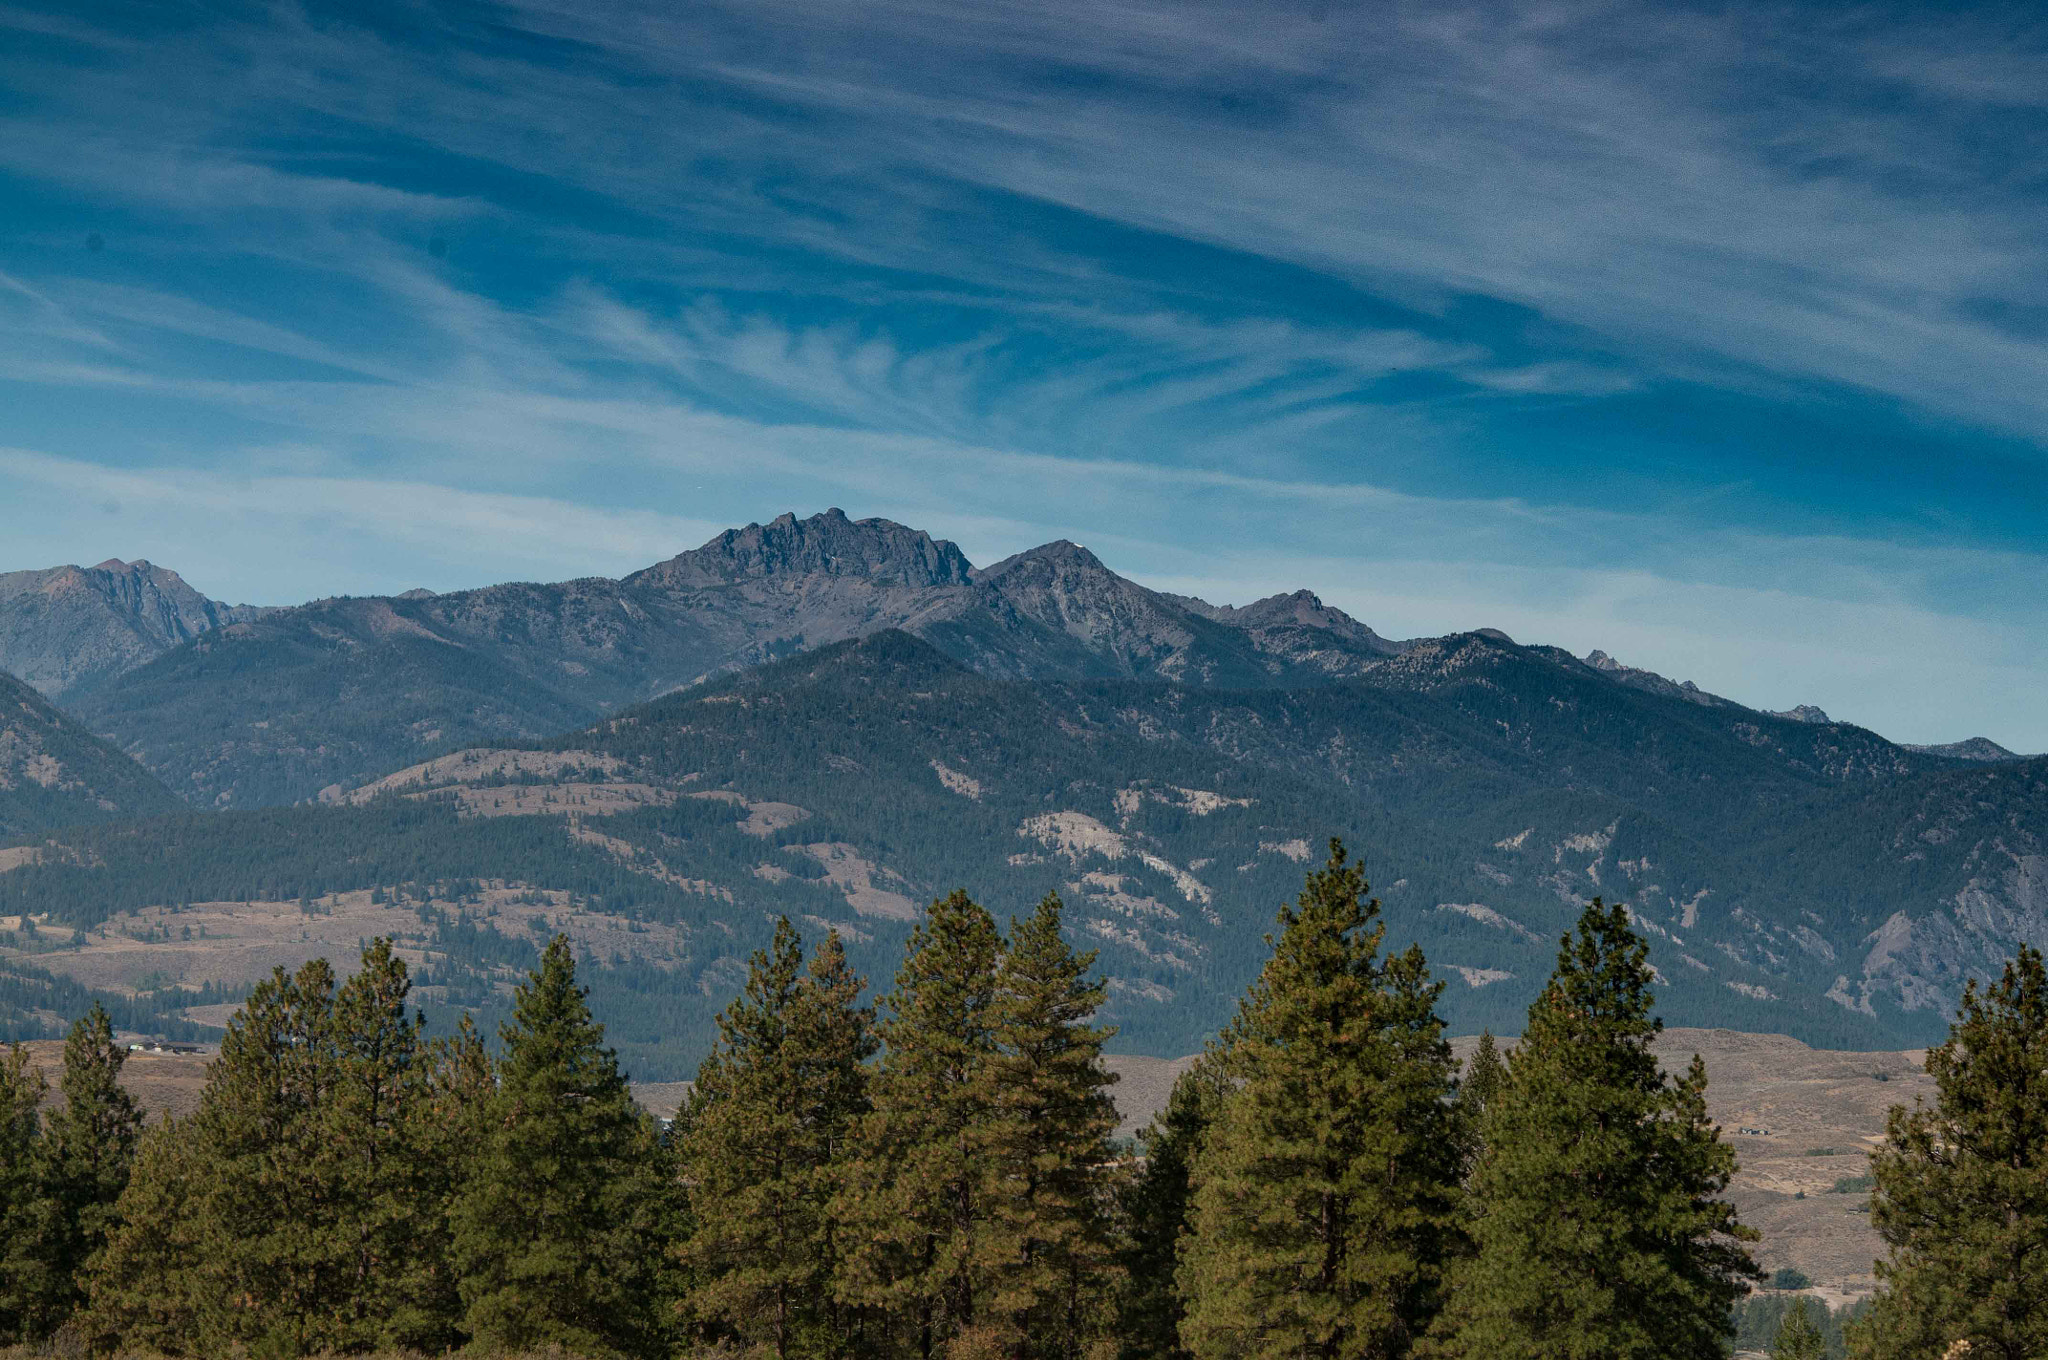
[1714, 337]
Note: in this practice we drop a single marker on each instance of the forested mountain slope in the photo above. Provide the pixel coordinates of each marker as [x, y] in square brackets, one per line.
[54, 773]
[1793, 877]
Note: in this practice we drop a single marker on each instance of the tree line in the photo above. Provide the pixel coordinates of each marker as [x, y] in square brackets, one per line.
[935, 1175]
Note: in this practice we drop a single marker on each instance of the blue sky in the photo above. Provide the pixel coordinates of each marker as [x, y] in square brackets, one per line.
[1716, 338]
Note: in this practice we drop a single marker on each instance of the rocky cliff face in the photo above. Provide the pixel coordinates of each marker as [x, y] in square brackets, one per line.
[68, 628]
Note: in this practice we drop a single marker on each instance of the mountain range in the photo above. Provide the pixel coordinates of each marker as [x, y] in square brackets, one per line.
[838, 719]
[268, 707]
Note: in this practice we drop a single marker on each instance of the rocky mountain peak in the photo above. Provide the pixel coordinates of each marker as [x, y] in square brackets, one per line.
[1805, 713]
[1064, 585]
[827, 544]
[1059, 558]
[1303, 609]
[61, 627]
[1650, 681]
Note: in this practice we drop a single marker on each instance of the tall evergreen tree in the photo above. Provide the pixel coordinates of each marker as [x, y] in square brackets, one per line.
[1325, 1196]
[453, 1123]
[1798, 1338]
[260, 1212]
[1600, 1229]
[1962, 1186]
[1048, 1145]
[285, 1216]
[773, 1109]
[87, 1150]
[917, 1196]
[562, 1234]
[374, 1142]
[22, 1273]
[1485, 1075]
[1155, 1210]
[145, 1288]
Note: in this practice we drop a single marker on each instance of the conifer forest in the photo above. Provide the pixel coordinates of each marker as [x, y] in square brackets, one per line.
[934, 1173]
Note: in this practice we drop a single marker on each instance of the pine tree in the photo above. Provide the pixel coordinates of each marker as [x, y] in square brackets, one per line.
[290, 1201]
[233, 1189]
[1962, 1186]
[373, 1137]
[83, 1163]
[146, 1287]
[1155, 1210]
[562, 1234]
[23, 1280]
[1485, 1074]
[1798, 1338]
[1599, 1227]
[773, 1109]
[1325, 1196]
[917, 1195]
[453, 1122]
[1051, 1231]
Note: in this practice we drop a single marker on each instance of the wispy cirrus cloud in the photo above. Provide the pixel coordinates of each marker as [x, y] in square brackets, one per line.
[1670, 329]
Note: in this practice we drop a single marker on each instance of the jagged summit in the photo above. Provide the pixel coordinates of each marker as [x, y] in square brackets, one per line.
[827, 544]
[1636, 678]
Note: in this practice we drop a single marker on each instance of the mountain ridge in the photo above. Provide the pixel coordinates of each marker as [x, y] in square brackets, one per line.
[275, 705]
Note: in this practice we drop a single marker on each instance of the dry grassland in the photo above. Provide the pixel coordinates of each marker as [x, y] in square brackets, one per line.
[241, 942]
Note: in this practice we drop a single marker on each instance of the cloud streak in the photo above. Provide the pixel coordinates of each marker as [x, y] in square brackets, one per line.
[1665, 329]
